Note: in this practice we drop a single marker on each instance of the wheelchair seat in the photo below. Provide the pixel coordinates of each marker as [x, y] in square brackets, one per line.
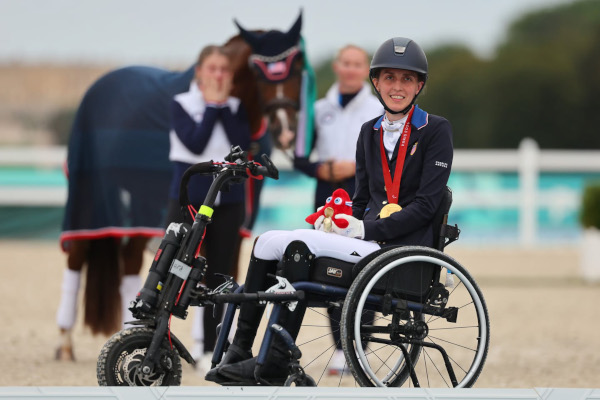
[340, 273]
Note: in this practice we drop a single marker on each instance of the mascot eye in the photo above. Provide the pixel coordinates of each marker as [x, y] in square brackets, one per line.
[338, 200]
[328, 199]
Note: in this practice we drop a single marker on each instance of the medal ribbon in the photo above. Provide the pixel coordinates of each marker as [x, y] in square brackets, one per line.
[392, 187]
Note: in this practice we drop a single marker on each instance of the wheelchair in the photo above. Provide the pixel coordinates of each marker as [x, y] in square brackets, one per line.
[411, 316]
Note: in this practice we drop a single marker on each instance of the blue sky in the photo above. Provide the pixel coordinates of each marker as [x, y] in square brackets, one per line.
[172, 32]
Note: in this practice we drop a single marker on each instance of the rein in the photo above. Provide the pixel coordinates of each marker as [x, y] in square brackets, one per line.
[275, 70]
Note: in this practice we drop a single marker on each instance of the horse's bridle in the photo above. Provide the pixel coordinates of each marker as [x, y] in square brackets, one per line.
[275, 70]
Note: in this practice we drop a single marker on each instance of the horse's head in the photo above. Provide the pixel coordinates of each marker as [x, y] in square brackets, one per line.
[277, 62]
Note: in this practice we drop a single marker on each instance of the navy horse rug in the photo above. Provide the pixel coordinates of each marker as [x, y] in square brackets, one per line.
[118, 166]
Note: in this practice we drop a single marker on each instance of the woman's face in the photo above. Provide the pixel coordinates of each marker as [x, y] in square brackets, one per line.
[215, 68]
[351, 69]
[397, 87]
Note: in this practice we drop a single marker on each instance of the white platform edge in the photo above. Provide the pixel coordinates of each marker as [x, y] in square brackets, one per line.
[295, 393]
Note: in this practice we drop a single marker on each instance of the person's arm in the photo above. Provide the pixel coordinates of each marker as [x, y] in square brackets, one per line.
[193, 135]
[303, 164]
[236, 126]
[436, 171]
[361, 197]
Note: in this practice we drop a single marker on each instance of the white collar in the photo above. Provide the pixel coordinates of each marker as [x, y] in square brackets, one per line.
[393, 126]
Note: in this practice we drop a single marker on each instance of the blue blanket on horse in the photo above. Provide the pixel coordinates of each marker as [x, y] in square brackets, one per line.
[118, 166]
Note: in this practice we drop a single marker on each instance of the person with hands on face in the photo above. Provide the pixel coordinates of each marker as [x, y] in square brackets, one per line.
[403, 161]
[206, 121]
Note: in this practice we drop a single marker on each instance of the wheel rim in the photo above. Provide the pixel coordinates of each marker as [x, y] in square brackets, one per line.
[128, 370]
[482, 322]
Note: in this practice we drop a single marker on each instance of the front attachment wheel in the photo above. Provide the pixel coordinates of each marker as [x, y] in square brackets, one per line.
[122, 355]
[430, 326]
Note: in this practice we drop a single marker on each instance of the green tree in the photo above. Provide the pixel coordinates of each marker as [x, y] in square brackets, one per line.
[543, 82]
[454, 91]
[542, 78]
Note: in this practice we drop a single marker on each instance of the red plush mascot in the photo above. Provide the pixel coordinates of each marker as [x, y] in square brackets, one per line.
[338, 203]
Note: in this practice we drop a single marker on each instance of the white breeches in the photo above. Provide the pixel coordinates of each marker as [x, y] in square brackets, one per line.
[272, 244]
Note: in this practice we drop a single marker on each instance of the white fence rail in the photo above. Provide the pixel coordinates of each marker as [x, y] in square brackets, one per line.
[528, 161]
[37, 157]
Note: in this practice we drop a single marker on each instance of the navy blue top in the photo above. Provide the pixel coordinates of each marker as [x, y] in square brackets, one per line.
[195, 137]
[424, 177]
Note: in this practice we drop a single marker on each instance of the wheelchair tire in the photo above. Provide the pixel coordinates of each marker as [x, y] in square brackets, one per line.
[454, 323]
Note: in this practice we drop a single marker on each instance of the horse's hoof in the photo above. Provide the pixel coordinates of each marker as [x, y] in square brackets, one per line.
[64, 353]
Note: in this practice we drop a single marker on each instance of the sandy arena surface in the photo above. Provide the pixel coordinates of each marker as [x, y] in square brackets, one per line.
[544, 319]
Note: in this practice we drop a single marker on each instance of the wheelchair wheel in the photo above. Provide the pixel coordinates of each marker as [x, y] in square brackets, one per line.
[120, 358]
[424, 333]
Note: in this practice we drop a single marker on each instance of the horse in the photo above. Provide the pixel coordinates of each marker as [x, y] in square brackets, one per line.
[119, 172]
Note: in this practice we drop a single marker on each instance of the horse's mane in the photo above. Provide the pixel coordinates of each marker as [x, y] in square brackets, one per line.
[244, 80]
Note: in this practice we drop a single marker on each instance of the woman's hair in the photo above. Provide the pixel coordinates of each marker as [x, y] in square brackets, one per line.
[209, 50]
[340, 51]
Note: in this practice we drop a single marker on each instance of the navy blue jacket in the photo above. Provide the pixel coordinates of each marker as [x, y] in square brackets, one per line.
[424, 177]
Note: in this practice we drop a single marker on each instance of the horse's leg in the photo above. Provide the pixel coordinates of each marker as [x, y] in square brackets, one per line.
[67, 308]
[132, 255]
[198, 334]
[197, 349]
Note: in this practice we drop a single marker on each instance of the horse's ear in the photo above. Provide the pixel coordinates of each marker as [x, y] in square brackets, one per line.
[250, 37]
[294, 32]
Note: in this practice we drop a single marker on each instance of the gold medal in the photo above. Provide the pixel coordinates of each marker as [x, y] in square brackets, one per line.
[328, 213]
[389, 209]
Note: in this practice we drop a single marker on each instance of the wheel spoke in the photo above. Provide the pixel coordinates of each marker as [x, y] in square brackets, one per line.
[452, 343]
[453, 360]
[316, 338]
[435, 366]
[317, 357]
[383, 362]
[454, 327]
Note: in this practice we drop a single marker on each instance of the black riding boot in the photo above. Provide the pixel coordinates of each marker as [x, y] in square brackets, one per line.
[276, 368]
[248, 318]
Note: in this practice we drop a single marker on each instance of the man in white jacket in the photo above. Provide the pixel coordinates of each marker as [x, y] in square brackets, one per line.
[338, 118]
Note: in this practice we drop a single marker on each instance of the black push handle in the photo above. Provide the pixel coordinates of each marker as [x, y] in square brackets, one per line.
[201, 168]
[238, 161]
[268, 169]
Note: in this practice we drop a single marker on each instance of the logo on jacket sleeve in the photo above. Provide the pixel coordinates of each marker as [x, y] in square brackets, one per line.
[441, 164]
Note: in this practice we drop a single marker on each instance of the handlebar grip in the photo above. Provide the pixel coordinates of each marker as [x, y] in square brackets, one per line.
[270, 169]
[200, 168]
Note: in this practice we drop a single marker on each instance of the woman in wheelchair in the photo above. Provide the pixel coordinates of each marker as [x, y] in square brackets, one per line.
[403, 161]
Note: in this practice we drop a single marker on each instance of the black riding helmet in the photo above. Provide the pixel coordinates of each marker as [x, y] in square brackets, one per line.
[399, 53]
